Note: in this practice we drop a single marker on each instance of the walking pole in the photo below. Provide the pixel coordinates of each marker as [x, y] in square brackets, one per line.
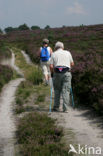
[72, 97]
[51, 91]
[50, 101]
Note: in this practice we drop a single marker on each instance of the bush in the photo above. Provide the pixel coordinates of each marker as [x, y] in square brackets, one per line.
[35, 76]
[87, 79]
[35, 27]
[6, 74]
[23, 27]
[4, 52]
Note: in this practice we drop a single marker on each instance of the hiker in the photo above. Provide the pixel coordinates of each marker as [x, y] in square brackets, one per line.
[45, 54]
[60, 64]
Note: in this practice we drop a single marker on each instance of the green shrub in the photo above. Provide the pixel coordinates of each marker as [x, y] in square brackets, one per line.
[23, 92]
[19, 101]
[4, 52]
[36, 76]
[6, 75]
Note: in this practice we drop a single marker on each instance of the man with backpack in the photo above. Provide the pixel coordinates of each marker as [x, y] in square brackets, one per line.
[61, 63]
[45, 54]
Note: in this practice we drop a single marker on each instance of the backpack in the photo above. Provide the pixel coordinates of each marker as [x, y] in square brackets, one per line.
[45, 55]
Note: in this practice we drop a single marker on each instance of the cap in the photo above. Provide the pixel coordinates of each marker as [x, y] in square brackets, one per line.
[45, 40]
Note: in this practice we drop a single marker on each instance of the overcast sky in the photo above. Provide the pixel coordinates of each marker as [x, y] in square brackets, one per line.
[55, 13]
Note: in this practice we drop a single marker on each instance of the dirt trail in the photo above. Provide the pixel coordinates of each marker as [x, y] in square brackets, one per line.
[88, 130]
[27, 58]
[7, 122]
[11, 62]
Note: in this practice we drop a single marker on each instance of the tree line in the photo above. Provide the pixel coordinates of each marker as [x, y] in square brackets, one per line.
[21, 28]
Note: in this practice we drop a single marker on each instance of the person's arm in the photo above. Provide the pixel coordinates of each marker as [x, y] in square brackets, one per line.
[72, 64]
[51, 68]
[71, 61]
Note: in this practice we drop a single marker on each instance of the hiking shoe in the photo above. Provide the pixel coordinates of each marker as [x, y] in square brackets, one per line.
[46, 83]
[55, 110]
[65, 111]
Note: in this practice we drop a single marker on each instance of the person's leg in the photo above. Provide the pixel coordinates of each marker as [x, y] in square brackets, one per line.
[56, 100]
[57, 90]
[46, 76]
[66, 86]
[45, 72]
[48, 72]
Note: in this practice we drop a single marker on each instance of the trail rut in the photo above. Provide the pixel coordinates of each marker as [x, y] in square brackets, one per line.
[7, 120]
[88, 130]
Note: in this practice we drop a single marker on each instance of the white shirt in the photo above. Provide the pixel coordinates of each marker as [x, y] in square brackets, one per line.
[61, 58]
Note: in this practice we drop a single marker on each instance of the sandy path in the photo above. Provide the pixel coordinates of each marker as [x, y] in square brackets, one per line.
[11, 62]
[7, 122]
[27, 58]
[88, 130]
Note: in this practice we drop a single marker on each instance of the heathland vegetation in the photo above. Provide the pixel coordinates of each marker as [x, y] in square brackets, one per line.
[6, 75]
[6, 72]
[85, 44]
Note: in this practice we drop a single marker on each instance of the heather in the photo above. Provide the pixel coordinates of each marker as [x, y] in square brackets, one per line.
[87, 79]
[38, 135]
[85, 44]
[6, 75]
[4, 51]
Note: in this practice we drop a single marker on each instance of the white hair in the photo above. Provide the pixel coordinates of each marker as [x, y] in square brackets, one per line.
[59, 45]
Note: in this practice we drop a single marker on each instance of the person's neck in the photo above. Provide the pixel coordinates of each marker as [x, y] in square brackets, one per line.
[60, 49]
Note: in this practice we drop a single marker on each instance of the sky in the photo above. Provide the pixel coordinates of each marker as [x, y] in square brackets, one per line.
[55, 13]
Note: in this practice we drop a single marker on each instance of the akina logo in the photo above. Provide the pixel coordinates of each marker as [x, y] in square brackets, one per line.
[86, 150]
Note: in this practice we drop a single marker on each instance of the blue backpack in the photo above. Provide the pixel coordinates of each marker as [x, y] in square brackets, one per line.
[45, 55]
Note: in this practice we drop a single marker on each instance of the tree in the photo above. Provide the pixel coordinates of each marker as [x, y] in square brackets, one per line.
[8, 29]
[23, 27]
[47, 27]
[63, 26]
[1, 32]
[35, 27]
[15, 29]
